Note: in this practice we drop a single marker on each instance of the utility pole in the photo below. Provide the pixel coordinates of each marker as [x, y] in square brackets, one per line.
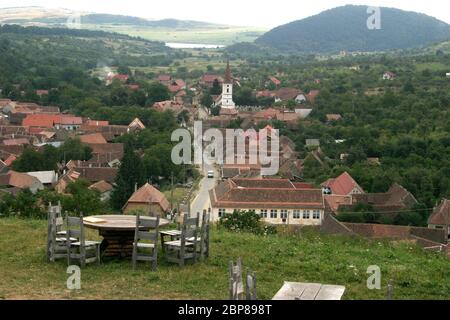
[171, 192]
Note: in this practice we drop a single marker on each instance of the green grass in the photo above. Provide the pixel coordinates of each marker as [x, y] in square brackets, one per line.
[308, 258]
[211, 35]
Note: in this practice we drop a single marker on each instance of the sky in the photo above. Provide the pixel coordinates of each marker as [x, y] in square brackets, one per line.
[259, 13]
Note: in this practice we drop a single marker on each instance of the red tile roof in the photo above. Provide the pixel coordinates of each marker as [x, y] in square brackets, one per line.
[342, 185]
[164, 77]
[441, 214]
[41, 120]
[95, 138]
[97, 123]
[151, 195]
[9, 161]
[101, 186]
[275, 81]
[16, 142]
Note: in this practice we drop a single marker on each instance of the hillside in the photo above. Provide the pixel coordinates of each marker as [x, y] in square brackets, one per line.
[345, 28]
[166, 30]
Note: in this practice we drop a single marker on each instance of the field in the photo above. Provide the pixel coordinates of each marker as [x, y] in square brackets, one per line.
[305, 258]
[225, 35]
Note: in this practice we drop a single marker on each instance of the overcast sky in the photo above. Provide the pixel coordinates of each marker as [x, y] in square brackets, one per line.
[262, 13]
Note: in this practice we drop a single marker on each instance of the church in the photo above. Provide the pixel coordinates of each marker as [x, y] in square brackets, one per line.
[226, 103]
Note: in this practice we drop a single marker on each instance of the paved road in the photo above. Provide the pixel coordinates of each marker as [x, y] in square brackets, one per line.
[200, 202]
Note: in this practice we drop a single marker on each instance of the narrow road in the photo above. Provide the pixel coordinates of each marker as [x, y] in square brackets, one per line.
[200, 202]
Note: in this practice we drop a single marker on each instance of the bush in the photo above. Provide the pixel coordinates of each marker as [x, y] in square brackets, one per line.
[245, 221]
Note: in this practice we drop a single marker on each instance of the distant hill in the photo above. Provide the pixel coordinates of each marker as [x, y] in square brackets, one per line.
[345, 28]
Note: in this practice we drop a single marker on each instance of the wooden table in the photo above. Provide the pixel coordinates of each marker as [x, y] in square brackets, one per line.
[118, 234]
[309, 291]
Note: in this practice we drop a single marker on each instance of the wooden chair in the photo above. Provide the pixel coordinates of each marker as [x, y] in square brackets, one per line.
[236, 285]
[250, 286]
[179, 251]
[145, 251]
[82, 250]
[204, 236]
[56, 236]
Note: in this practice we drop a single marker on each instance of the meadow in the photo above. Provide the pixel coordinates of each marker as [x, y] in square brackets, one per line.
[308, 257]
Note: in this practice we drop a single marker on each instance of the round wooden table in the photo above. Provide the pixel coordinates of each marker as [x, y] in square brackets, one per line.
[118, 234]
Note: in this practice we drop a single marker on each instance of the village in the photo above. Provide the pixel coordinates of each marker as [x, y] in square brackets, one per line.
[282, 200]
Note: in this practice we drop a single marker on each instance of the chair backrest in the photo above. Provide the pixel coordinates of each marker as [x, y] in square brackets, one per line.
[146, 228]
[235, 280]
[75, 229]
[250, 286]
[190, 227]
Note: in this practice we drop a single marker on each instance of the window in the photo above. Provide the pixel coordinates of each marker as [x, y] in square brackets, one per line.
[228, 90]
[263, 214]
[316, 215]
[284, 214]
[273, 214]
[306, 214]
[221, 213]
[297, 214]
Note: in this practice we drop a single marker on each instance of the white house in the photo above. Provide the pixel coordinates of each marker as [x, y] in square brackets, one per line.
[389, 75]
[277, 201]
[447, 74]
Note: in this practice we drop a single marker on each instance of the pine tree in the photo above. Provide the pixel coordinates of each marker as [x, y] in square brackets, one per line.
[131, 173]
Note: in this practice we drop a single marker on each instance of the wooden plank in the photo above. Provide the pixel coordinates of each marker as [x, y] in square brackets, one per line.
[329, 292]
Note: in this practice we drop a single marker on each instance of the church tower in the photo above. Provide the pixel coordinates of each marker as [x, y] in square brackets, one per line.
[227, 104]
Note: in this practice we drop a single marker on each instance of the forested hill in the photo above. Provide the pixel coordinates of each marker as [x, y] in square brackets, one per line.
[345, 28]
[39, 31]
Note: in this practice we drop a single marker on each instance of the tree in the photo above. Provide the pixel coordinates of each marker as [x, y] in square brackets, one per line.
[131, 174]
[216, 89]
[207, 100]
[157, 92]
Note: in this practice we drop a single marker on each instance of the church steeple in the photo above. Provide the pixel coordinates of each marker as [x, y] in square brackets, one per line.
[228, 77]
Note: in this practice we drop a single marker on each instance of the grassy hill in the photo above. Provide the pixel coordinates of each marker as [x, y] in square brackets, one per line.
[345, 28]
[166, 30]
[304, 258]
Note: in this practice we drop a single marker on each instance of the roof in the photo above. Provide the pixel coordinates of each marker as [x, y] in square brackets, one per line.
[97, 123]
[441, 214]
[228, 77]
[101, 186]
[269, 193]
[286, 94]
[164, 77]
[45, 177]
[49, 120]
[335, 201]
[9, 161]
[94, 138]
[275, 80]
[136, 124]
[211, 78]
[334, 117]
[342, 185]
[168, 105]
[312, 95]
[149, 194]
[16, 142]
[98, 174]
[18, 180]
[70, 120]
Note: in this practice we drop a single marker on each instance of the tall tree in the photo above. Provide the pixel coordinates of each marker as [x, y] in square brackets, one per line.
[131, 173]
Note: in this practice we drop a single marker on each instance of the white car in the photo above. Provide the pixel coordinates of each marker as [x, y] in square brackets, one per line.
[210, 174]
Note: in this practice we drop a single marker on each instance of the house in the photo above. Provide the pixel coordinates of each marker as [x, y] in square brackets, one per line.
[135, 125]
[208, 80]
[164, 79]
[287, 94]
[344, 185]
[47, 178]
[16, 142]
[97, 123]
[333, 117]
[15, 181]
[312, 142]
[106, 152]
[93, 138]
[447, 74]
[312, 96]
[275, 81]
[171, 105]
[149, 200]
[389, 76]
[41, 93]
[277, 201]
[57, 121]
[440, 218]
[104, 188]
[394, 201]
[133, 87]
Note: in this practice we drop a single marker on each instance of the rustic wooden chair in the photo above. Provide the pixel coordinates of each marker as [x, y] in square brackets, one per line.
[236, 285]
[82, 250]
[146, 229]
[56, 236]
[204, 236]
[179, 251]
[250, 286]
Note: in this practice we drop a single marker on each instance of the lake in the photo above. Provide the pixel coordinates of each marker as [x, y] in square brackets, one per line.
[179, 45]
